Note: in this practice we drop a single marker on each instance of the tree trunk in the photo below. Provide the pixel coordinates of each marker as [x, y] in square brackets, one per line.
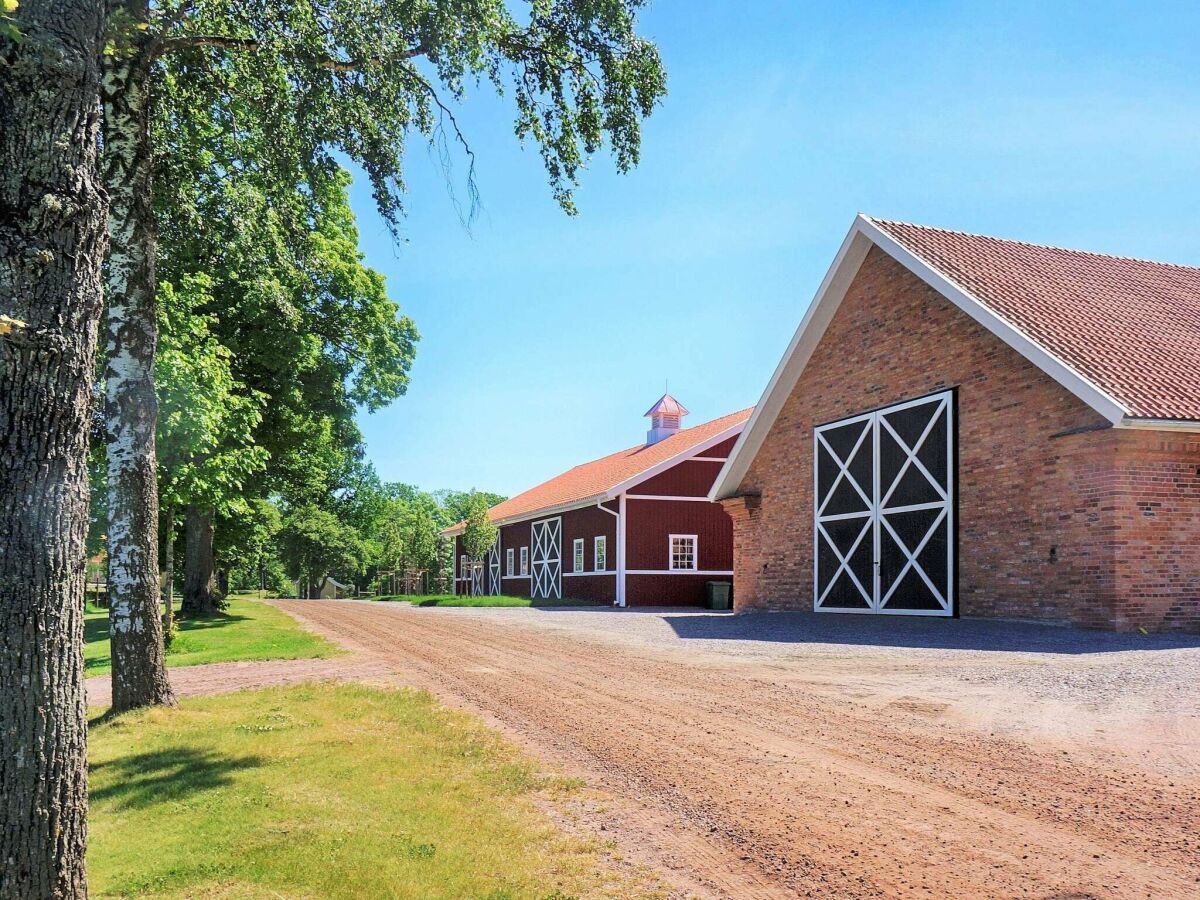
[52, 214]
[198, 596]
[139, 674]
[168, 589]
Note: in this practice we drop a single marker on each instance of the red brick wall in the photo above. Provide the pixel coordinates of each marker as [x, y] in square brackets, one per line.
[1158, 521]
[1049, 521]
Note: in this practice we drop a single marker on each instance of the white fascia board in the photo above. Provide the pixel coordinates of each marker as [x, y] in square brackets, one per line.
[828, 298]
[863, 233]
[546, 512]
[1184, 425]
[681, 456]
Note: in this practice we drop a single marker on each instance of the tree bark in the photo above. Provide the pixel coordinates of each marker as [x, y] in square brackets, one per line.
[199, 598]
[139, 674]
[52, 214]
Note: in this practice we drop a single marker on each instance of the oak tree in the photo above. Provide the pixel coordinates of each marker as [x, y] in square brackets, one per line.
[311, 79]
[52, 224]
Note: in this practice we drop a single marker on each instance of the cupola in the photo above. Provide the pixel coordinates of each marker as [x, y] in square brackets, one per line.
[665, 418]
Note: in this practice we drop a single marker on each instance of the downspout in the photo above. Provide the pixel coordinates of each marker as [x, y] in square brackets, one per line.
[620, 514]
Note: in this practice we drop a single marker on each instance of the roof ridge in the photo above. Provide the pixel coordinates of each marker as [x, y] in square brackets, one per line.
[1034, 244]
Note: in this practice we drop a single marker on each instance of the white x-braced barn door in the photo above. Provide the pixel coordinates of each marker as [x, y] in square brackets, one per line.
[477, 576]
[884, 510]
[494, 568]
[546, 562]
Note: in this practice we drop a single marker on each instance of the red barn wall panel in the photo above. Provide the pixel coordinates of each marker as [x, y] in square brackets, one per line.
[722, 449]
[652, 522]
[591, 588]
[588, 523]
[690, 478]
[513, 537]
[668, 590]
[585, 523]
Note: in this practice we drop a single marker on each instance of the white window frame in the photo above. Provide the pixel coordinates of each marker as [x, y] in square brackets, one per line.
[508, 562]
[671, 567]
[577, 557]
[462, 567]
[524, 560]
[600, 553]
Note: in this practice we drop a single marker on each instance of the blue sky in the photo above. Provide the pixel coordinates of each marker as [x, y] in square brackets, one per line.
[545, 338]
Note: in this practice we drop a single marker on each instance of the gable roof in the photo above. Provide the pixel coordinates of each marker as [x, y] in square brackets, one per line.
[1121, 334]
[603, 479]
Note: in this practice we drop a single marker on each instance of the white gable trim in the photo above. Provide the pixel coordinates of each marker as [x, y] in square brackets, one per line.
[829, 296]
[862, 235]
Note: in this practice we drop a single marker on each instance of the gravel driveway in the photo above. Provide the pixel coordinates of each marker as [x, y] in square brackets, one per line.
[794, 754]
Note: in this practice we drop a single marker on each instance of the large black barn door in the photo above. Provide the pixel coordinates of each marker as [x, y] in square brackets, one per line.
[884, 514]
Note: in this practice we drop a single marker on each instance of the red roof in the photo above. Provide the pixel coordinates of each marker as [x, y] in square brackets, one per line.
[1130, 326]
[593, 480]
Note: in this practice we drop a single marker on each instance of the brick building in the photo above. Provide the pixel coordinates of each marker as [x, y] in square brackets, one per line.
[632, 528]
[968, 425]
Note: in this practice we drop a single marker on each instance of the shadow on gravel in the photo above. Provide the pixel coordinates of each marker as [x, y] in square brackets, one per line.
[918, 633]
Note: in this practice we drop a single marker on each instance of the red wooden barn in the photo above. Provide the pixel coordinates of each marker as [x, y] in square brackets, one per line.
[632, 528]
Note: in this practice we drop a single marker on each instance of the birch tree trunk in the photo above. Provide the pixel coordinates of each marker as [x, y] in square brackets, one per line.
[198, 565]
[139, 675]
[52, 215]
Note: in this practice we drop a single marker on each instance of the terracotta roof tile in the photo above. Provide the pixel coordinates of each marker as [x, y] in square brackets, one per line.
[1130, 326]
[594, 479]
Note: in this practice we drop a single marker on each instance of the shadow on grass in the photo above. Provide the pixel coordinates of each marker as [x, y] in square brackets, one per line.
[200, 623]
[164, 775]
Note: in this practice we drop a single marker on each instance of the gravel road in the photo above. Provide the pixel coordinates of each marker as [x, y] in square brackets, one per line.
[785, 755]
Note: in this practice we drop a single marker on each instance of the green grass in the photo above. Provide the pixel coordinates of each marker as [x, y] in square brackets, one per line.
[338, 791]
[246, 630]
[463, 600]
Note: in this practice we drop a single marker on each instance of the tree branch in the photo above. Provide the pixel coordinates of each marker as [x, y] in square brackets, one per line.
[253, 45]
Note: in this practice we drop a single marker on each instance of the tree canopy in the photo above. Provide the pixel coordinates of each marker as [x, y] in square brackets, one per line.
[479, 534]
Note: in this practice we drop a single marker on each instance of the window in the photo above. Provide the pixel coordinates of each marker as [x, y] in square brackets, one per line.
[508, 562]
[462, 566]
[577, 545]
[524, 560]
[600, 554]
[683, 552]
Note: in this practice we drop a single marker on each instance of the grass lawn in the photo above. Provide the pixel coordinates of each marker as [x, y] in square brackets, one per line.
[463, 600]
[329, 791]
[246, 630]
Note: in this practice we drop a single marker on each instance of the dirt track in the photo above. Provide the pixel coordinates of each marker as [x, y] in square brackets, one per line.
[745, 779]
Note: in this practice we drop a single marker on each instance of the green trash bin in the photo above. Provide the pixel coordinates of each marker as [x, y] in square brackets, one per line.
[718, 595]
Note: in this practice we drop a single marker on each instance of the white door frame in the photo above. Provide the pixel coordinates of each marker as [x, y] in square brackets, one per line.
[494, 568]
[875, 498]
[545, 571]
